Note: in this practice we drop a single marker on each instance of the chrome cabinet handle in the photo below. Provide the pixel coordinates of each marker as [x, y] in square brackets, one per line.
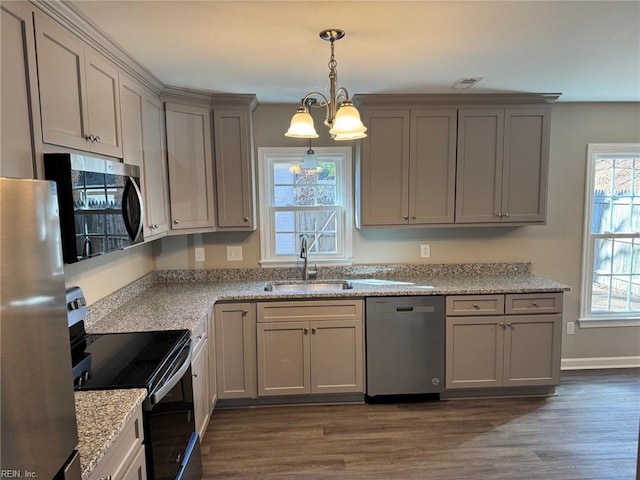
[244, 312]
[499, 215]
[176, 222]
[534, 304]
[313, 331]
[90, 138]
[245, 219]
[502, 325]
[413, 217]
[506, 215]
[509, 324]
[476, 306]
[194, 375]
[306, 331]
[97, 139]
[406, 217]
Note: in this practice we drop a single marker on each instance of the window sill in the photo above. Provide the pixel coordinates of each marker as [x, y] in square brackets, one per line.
[614, 322]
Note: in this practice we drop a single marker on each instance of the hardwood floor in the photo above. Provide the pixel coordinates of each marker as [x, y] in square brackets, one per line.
[589, 430]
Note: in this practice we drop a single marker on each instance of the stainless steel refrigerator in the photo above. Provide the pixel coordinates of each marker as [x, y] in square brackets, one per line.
[38, 418]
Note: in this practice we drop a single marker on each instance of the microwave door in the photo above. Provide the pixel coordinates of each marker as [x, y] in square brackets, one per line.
[133, 210]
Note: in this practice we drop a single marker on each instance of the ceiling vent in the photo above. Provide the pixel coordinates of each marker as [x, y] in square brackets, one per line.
[467, 82]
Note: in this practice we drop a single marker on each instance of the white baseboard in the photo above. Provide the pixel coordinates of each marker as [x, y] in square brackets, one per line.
[599, 362]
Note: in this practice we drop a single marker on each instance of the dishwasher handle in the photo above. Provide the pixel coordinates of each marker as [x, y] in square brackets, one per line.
[405, 309]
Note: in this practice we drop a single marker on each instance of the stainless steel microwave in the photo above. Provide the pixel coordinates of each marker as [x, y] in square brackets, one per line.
[100, 203]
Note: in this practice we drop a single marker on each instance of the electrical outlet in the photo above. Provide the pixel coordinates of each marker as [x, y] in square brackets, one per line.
[234, 253]
[571, 328]
[199, 254]
[425, 250]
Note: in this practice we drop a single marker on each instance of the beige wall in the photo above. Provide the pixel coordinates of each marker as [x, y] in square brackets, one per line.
[553, 249]
[103, 275]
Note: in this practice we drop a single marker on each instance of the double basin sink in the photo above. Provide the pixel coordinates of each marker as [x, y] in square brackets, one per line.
[303, 286]
[308, 286]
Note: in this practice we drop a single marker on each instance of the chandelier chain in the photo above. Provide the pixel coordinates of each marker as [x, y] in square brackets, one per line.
[333, 64]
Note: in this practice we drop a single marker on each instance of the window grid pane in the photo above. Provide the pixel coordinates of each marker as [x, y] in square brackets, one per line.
[615, 218]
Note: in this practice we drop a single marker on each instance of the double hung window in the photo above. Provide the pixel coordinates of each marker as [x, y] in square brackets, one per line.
[611, 246]
[296, 201]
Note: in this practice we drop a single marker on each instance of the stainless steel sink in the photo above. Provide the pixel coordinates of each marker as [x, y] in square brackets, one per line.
[307, 286]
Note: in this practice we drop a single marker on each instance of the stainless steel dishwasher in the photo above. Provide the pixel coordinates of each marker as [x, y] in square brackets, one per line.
[405, 345]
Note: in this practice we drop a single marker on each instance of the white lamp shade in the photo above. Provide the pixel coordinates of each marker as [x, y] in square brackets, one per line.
[347, 124]
[301, 125]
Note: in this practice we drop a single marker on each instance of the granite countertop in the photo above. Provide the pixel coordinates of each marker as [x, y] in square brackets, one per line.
[174, 303]
[101, 417]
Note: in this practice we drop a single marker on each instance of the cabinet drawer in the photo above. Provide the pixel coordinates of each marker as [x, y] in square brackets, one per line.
[310, 310]
[475, 305]
[198, 334]
[524, 303]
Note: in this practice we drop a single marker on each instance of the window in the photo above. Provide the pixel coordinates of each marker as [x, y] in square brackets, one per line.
[611, 252]
[295, 201]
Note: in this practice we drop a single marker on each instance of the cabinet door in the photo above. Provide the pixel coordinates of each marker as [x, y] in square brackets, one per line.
[61, 76]
[156, 181]
[479, 170]
[283, 358]
[19, 92]
[138, 468]
[432, 171]
[235, 326]
[190, 167]
[526, 163]
[384, 166]
[213, 379]
[200, 380]
[337, 356]
[474, 352]
[234, 169]
[532, 345]
[103, 104]
[131, 106]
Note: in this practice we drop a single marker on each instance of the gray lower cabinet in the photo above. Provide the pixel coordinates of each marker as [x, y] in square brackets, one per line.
[235, 350]
[310, 347]
[502, 165]
[407, 167]
[200, 374]
[125, 459]
[509, 340]
[19, 92]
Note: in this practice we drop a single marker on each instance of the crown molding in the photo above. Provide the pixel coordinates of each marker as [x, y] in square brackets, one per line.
[213, 99]
[69, 17]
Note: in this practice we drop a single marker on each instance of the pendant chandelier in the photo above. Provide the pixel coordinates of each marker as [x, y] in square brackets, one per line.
[342, 118]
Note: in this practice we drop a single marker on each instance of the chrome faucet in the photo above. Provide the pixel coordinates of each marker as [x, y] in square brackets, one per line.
[303, 254]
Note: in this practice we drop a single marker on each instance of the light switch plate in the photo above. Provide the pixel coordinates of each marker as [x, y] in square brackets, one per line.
[425, 250]
[571, 328]
[234, 253]
[199, 252]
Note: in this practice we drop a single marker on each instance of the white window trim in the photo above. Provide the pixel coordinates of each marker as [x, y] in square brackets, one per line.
[586, 318]
[345, 184]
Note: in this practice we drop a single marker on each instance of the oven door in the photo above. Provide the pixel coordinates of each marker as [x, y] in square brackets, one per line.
[171, 449]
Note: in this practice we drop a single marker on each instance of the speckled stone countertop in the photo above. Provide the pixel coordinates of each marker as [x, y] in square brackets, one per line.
[101, 416]
[180, 299]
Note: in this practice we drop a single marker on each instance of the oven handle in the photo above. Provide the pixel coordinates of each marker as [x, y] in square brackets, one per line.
[173, 380]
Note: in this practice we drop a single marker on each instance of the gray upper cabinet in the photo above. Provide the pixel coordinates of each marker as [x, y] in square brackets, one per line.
[233, 146]
[502, 165]
[189, 157]
[407, 167]
[453, 160]
[79, 95]
[19, 92]
[143, 145]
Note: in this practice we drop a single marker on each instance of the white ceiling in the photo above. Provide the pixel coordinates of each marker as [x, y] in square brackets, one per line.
[588, 51]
